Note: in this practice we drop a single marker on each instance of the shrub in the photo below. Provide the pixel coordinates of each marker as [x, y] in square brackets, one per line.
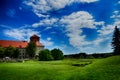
[45, 55]
[2, 52]
[9, 51]
[57, 54]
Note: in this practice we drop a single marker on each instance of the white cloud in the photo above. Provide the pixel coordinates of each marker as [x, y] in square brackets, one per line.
[74, 24]
[88, 1]
[106, 30]
[118, 2]
[48, 38]
[81, 19]
[47, 42]
[5, 26]
[45, 22]
[43, 6]
[20, 34]
[116, 15]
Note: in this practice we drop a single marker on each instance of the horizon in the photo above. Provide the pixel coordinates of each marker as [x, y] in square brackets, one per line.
[73, 26]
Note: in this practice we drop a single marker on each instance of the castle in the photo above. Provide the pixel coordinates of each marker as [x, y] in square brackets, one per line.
[21, 45]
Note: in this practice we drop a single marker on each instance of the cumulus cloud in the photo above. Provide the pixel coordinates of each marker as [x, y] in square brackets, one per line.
[116, 17]
[45, 22]
[43, 6]
[20, 34]
[106, 31]
[74, 24]
[80, 19]
[47, 42]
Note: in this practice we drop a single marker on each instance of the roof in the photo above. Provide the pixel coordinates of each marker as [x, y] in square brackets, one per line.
[17, 44]
[38, 44]
[35, 36]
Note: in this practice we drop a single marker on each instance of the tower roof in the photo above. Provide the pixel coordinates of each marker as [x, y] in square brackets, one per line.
[34, 36]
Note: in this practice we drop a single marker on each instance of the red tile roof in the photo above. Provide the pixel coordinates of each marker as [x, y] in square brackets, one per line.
[38, 44]
[17, 44]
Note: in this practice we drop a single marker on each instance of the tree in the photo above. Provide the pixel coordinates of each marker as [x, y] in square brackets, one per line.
[45, 55]
[16, 53]
[82, 55]
[31, 49]
[116, 41]
[9, 51]
[1, 52]
[57, 54]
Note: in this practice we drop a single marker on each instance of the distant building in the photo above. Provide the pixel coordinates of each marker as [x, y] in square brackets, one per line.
[21, 45]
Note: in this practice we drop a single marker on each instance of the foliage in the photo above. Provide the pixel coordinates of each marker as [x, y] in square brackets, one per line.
[1, 52]
[82, 55]
[116, 41]
[31, 49]
[45, 55]
[57, 54]
[9, 51]
[16, 53]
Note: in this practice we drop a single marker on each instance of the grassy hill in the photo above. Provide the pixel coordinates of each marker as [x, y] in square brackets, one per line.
[68, 69]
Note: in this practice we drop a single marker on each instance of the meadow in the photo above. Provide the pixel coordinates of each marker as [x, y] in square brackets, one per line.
[67, 69]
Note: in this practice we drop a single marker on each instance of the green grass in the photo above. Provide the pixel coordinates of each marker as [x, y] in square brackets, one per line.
[68, 69]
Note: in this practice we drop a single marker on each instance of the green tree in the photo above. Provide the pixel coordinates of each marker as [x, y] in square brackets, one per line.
[31, 49]
[9, 51]
[1, 52]
[16, 53]
[57, 54]
[116, 41]
[45, 55]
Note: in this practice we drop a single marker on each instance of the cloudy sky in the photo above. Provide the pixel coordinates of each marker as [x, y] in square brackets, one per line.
[72, 25]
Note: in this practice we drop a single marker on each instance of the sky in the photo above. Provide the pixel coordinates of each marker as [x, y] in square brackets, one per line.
[73, 26]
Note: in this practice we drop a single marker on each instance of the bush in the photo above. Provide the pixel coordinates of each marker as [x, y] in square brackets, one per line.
[2, 52]
[45, 55]
[57, 54]
[9, 51]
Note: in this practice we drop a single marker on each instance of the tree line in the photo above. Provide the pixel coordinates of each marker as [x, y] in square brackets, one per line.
[44, 55]
[47, 55]
[9, 52]
[89, 56]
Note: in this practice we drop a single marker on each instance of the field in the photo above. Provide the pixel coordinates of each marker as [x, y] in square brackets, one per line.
[68, 69]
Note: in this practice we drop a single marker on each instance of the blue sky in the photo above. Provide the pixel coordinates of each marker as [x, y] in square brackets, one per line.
[72, 25]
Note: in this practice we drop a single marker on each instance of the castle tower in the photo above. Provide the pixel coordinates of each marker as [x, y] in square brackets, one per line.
[34, 38]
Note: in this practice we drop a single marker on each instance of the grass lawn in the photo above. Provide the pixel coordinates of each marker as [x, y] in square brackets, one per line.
[68, 69]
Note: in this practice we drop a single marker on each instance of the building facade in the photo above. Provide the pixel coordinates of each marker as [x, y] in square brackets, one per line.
[21, 45]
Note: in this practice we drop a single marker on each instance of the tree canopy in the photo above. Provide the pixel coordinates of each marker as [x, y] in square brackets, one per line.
[1, 52]
[9, 51]
[116, 41]
[57, 54]
[31, 49]
[45, 55]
